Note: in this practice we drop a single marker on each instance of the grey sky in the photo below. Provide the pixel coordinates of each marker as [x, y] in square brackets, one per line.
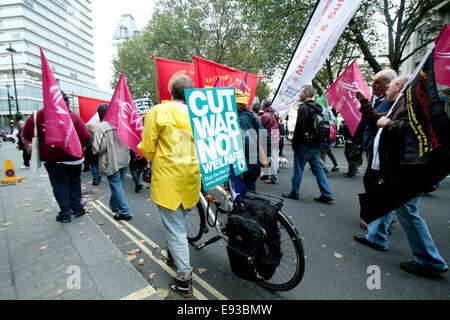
[106, 16]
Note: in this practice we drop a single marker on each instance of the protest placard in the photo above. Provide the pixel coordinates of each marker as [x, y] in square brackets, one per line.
[142, 106]
[217, 135]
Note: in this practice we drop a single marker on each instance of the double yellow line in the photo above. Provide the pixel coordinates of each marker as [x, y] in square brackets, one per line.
[142, 294]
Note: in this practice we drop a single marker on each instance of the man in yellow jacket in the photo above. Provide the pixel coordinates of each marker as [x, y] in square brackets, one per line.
[169, 144]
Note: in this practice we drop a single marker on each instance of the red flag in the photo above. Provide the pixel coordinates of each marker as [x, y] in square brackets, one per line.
[166, 69]
[59, 128]
[207, 72]
[88, 109]
[341, 95]
[123, 115]
[442, 57]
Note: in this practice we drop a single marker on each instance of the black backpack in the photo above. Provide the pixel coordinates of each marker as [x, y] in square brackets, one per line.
[320, 130]
[253, 240]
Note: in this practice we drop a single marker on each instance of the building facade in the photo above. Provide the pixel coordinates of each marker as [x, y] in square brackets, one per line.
[63, 28]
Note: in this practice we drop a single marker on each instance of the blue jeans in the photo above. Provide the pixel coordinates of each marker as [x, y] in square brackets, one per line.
[95, 177]
[419, 237]
[66, 184]
[175, 224]
[118, 201]
[311, 155]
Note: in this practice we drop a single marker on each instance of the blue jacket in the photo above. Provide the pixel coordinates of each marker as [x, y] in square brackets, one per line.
[253, 134]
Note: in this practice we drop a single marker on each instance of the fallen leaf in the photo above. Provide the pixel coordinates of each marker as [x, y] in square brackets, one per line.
[141, 262]
[108, 236]
[101, 223]
[324, 246]
[46, 210]
[95, 190]
[201, 270]
[322, 214]
[26, 204]
[148, 214]
[81, 232]
[151, 276]
[163, 293]
[135, 251]
[81, 223]
[43, 248]
[38, 210]
[338, 255]
[131, 258]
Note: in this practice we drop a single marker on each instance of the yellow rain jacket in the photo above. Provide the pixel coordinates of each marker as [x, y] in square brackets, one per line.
[168, 143]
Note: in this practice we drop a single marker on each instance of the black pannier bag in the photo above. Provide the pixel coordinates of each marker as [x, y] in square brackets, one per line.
[253, 239]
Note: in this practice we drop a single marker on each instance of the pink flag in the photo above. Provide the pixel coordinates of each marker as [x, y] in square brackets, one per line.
[244, 81]
[341, 95]
[59, 128]
[218, 83]
[123, 115]
[442, 57]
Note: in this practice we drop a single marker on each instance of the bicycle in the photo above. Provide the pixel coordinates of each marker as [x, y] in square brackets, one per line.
[219, 201]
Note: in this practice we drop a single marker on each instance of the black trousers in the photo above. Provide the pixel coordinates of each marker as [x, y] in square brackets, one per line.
[66, 184]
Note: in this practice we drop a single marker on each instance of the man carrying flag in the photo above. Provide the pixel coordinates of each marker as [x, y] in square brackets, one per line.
[401, 183]
[62, 137]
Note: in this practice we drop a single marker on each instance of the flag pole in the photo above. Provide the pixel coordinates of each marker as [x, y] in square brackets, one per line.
[156, 82]
[296, 47]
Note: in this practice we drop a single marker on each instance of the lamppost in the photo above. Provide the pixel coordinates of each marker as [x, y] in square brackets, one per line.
[11, 50]
[9, 106]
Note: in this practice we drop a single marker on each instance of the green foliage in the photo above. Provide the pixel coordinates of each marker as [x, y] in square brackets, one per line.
[214, 30]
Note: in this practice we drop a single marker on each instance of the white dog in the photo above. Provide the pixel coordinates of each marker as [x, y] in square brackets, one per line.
[283, 162]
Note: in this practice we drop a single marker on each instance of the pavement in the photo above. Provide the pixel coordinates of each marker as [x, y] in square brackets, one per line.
[42, 259]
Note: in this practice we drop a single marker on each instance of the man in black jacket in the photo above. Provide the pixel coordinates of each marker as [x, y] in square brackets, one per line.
[306, 150]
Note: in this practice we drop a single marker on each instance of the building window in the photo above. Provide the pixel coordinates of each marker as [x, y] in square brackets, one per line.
[123, 31]
[28, 3]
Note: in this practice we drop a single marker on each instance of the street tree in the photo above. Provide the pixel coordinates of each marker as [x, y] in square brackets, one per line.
[178, 29]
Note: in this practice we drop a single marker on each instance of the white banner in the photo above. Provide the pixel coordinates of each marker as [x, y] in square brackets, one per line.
[323, 31]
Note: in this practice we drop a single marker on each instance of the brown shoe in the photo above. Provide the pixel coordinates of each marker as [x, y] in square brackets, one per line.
[183, 287]
[169, 261]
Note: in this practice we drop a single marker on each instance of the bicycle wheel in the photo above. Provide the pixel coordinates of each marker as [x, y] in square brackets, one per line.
[292, 265]
[195, 220]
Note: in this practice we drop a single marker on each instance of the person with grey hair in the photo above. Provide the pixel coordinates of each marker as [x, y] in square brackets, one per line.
[307, 150]
[168, 143]
[380, 85]
[256, 108]
[428, 261]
